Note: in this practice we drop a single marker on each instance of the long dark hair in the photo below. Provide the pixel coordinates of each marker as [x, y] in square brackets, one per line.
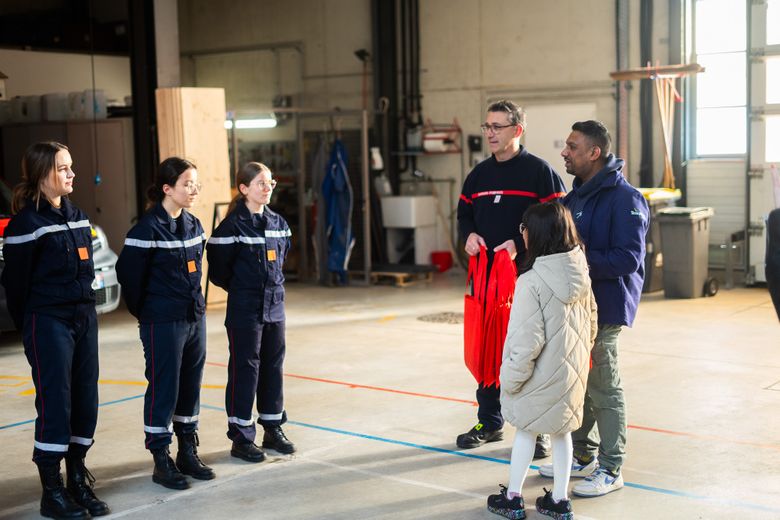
[245, 176]
[39, 160]
[551, 230]
[167, 173]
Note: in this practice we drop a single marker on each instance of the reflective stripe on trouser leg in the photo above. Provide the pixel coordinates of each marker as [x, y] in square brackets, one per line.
[270, 384]
[193, 359]
[163, 344]
[605, 404]
[49, 345]
[243, 369]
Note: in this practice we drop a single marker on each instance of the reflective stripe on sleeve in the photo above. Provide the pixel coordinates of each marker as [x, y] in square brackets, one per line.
[240, 422]
[280, 233]
[35, 235]
[81, 440]
[164, 244]
[232, 240]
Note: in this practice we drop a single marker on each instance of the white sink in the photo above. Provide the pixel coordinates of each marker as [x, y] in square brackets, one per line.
[408, 211]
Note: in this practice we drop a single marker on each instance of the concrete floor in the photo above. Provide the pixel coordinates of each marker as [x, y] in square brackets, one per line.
[376, 397]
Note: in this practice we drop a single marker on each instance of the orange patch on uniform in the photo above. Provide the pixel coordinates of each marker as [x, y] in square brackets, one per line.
[83, 253]
[191, 266]
[271, 255]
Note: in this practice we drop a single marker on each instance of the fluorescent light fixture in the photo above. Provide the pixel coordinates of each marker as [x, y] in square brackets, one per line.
[263, 122]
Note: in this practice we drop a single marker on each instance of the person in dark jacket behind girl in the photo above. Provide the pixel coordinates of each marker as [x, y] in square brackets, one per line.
[160, 272]
[48, 279]
[245, 255]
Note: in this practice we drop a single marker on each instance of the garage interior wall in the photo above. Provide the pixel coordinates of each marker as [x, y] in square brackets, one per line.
[472, 52]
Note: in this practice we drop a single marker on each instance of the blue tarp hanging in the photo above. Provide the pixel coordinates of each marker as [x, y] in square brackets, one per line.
[337, 193]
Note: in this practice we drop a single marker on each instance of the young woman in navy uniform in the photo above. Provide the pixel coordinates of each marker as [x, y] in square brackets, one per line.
[246, 253]
[160, 272]
[48, 279]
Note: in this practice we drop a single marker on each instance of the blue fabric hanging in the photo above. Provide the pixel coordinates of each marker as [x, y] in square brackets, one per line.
[337, 193]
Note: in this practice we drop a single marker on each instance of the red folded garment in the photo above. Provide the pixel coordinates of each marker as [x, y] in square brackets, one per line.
[486, 315]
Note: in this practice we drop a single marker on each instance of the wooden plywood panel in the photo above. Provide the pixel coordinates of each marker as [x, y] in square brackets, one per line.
[190, 124]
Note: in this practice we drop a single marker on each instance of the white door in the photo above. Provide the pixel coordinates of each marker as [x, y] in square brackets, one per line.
[764, 183]
[548, 126]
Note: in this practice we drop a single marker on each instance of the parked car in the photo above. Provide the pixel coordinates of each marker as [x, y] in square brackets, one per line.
[106, 285]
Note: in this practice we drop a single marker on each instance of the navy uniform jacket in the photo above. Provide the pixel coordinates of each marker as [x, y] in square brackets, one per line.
[245, 254]
[48, 260]
[160, 267]
[496, 194]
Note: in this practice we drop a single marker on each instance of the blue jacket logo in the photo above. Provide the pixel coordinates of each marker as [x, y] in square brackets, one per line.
[636, 213]
[578, 215]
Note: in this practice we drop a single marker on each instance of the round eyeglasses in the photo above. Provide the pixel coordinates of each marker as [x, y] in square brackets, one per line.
[192, 187]
[267, 184]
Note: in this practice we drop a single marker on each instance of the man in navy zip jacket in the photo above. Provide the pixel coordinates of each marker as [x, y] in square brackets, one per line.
[611, 217]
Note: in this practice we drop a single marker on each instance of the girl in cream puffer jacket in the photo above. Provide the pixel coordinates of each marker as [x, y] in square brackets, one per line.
[544, 372]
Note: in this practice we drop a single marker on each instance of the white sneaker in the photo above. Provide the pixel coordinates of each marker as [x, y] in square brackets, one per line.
[578, 470]
[599, 483]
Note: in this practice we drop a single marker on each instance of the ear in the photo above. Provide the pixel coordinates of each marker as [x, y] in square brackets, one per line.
[167, 190]
[519, 131]
[595, 153]
[244, 189]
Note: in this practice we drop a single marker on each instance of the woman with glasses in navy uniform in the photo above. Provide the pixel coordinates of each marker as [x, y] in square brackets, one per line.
[160, 272]
[246, 253]
[48, 279]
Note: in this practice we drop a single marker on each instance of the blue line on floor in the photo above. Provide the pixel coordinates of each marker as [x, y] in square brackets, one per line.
[108, 403]
[681, 494]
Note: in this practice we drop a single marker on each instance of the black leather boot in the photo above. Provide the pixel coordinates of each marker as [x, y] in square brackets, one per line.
[80, 482]
[275, 439]
[187, 459]
[56, 502]
[165, 471]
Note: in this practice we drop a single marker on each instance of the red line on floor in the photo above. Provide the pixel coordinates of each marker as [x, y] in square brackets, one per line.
[474, 403]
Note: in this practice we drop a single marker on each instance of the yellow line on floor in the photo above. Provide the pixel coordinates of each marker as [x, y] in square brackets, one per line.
[387, 318]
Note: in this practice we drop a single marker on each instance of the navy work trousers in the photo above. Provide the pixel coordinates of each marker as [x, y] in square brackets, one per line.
[489, 412]
[63, 355]
[255, 370]
[175, 354]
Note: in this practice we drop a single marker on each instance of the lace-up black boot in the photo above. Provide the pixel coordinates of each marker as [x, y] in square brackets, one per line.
[187, 459]
[275, 439]
[80, 484]
[165, 471]
[56, 502]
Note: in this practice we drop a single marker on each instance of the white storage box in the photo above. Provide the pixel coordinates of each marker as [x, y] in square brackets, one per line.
[408, 211]
[55, 106]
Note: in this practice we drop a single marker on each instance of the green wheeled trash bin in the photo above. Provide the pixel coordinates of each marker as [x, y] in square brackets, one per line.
[685, 237]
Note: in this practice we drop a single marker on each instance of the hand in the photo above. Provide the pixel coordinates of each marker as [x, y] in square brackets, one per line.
[509, 245]
[473, 243]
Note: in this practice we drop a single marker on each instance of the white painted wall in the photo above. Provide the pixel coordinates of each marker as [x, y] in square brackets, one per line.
[32, 73]
[719, 184]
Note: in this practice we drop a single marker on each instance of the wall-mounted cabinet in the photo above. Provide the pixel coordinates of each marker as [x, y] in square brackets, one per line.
[103, 160]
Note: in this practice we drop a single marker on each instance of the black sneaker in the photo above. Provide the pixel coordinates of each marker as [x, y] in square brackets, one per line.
[275, 439]
[247, 451]
[477, 436]
[543, 448]
[559, 510]
[501, 505]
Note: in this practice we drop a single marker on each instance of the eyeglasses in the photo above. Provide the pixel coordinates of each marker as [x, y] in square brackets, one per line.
[523, 228]
[192, 187]
[493, 128]
[267, 184]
